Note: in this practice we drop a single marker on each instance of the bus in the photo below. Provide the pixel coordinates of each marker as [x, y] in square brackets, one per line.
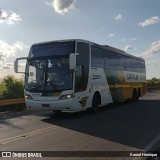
[75, 74]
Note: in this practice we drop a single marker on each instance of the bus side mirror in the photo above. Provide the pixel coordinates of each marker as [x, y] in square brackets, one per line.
[19, 67]
[72, 61]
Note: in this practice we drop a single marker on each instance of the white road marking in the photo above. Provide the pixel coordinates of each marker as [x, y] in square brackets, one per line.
[151, 144]
[25, 135]
[148, 147]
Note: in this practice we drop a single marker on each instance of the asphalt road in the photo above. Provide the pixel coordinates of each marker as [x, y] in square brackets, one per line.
[122, 127]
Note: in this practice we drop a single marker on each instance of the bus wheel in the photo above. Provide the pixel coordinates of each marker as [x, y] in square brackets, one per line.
[137, 99]
[139, 92]
[96, 102]
[135, 96]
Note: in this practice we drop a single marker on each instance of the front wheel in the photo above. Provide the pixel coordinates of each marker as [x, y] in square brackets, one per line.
[95, 103]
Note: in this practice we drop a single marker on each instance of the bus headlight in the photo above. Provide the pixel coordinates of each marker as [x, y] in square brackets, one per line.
[67, 96]
[28, 96]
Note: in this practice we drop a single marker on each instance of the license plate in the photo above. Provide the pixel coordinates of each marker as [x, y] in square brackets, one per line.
[46, 105]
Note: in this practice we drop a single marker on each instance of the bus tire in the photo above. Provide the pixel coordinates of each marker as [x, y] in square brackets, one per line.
[96, 101]
[139, 92]
[135, 96]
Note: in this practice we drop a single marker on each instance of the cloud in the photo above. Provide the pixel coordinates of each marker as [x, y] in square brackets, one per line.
[63, 6]
[127, 48]
[153, 62]
[9, 19]
[101, 28]
[111, 35]
[2, 58]
[3, 15]
[154, 49]
[13, 18]
[7, 66]
[7, 50]
[150, 21]
[118, 17]
[133, 39]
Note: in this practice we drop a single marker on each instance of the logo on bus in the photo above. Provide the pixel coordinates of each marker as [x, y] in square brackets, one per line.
[83, 101]
[134, 77]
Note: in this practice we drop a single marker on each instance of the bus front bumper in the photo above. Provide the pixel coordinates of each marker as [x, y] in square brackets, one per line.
[61, 105]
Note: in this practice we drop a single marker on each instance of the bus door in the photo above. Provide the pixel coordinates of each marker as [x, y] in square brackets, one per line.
[82, 74]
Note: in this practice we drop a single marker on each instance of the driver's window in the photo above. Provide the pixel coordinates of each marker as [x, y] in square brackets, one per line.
[32, 74]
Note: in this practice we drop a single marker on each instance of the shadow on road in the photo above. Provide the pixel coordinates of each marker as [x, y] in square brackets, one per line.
[131, 124]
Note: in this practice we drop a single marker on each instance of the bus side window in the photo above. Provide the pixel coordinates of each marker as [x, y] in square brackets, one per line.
[143, 67]
[125, 62]
[97, 57]
[79, 78]
[121, 65]
[106, 59]
[112, 59]
[134, 65]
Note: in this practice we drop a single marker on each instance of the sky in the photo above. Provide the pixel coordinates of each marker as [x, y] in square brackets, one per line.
[130, 25]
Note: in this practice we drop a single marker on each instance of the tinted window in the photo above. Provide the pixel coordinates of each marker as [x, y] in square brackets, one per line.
[134, 65]
[79, 78]
[120, 62]
[83, 57]
[97, 58]
[143, 67]
[112, 60]
[83, 61]
[52, 49]
[107, 59]
[129, 63]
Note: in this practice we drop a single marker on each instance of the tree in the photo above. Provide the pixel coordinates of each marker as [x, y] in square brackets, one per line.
[11, 88]
[153, 83]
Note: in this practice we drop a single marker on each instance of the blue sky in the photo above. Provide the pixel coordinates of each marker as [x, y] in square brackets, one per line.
[130, 25]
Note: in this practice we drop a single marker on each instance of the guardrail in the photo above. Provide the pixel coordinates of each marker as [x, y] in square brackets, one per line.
[12, 105]
[12, 101]
[153, 88]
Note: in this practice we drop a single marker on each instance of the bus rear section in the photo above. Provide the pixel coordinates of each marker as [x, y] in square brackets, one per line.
[124, 74]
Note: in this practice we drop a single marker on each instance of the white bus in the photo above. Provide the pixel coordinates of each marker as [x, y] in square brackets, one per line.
[72, 75]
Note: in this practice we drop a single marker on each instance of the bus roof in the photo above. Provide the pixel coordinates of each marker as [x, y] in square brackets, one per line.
[107, 47]
[113, 49]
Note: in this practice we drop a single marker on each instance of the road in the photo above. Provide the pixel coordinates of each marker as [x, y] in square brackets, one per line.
[122, 127]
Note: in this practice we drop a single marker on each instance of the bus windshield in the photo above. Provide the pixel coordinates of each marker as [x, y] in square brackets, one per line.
[52, 49]
[47, 68]
[48, 74]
